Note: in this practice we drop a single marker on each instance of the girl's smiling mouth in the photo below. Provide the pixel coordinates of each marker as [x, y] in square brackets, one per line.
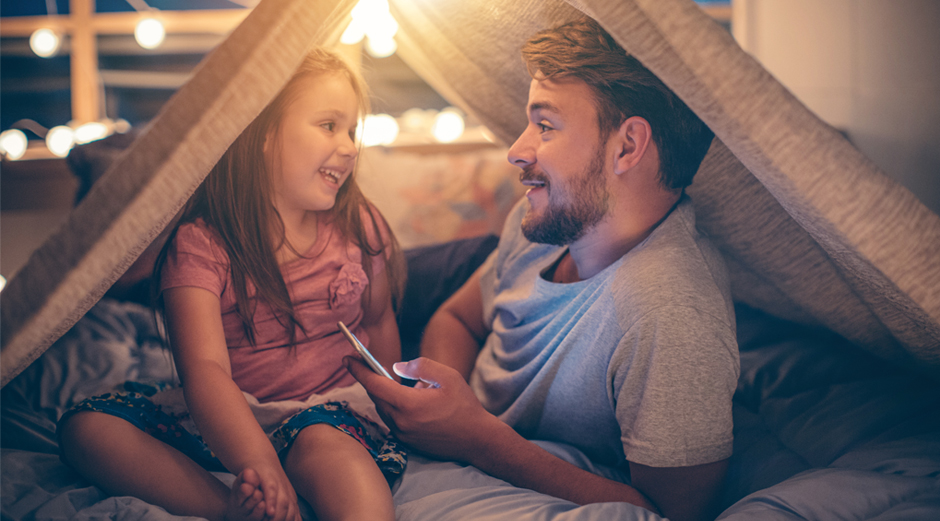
[332, 175]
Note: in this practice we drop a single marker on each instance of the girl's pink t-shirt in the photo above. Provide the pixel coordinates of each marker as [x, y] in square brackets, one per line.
[325, 287]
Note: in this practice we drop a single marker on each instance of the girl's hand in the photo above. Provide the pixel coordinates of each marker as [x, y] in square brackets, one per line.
[279, 496]
[217, 404]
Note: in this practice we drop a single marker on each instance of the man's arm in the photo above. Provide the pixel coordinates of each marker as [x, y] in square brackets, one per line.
[449, 422]
[682, 492]
[456, 331]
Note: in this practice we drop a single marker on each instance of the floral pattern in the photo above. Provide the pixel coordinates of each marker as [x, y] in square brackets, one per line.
[348, 285]
[138, 409]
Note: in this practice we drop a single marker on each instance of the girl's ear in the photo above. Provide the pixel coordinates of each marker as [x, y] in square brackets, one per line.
[631, 143]
[268, 139]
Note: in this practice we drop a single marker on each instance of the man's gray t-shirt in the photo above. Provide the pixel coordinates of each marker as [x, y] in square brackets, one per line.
[639, 362]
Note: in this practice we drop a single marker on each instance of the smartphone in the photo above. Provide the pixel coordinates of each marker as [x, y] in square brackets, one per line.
[366, 355]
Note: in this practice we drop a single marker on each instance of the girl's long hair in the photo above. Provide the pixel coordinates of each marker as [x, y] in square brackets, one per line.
[235, 200]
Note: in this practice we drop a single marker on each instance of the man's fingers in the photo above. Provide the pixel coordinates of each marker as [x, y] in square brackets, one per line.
[378, 387]
[432, 373]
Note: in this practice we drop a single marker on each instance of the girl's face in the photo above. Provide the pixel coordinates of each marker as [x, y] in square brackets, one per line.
[314, 150]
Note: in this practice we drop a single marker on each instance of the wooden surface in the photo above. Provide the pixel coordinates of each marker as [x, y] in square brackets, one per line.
[36, 185]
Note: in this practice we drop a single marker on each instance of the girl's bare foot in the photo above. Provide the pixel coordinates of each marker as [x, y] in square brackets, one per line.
[246, 501]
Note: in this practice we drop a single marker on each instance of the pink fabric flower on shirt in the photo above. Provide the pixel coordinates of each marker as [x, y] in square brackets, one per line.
[348, 285]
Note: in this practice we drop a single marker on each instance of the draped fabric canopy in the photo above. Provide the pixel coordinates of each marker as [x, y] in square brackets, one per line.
[811, 229]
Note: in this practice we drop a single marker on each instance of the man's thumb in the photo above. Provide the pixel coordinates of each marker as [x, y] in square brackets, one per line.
[424, 369]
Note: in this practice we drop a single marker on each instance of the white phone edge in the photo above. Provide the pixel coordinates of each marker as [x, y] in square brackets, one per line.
[366, 355]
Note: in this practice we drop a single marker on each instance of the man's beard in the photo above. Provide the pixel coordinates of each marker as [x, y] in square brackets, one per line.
[573, 209]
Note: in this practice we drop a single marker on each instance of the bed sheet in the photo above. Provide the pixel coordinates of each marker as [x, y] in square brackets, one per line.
[822, 431]
[119, 341]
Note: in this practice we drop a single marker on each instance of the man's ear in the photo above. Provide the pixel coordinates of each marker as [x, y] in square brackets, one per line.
[632, 141]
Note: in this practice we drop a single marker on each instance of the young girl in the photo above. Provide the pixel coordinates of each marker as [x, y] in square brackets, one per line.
[275, 247]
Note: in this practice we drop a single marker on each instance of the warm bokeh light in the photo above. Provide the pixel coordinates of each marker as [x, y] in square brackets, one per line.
[379, 129]
[60, 140]
[91, 132]
[3, 282]
[354, 33]
[448, 125]
[44, 42]
[417, 121]
[381, 48]
[121, 125]
[13, 143]
[149, 33]
[381, 26]
[368, 8]
[371, 19]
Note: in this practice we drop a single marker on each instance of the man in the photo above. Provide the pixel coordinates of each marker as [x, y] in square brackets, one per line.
[605, 318]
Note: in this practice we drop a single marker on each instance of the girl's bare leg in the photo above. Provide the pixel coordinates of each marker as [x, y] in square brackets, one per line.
[338, 476]
[125, 461]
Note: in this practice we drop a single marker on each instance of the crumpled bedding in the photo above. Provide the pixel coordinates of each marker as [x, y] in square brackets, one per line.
[825, 431]
[822, 432]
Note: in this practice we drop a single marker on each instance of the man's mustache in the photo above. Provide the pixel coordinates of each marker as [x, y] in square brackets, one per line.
[533, 174]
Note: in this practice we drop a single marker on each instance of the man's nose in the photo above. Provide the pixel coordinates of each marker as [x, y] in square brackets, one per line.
[522, 152]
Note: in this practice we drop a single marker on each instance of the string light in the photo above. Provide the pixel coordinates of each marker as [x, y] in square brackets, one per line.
[13, 143]
[91, 132]
[448, 125]
[44, 42]
[372, 19]
[354, 32]
[60, 140]
[149, 33]
[381, 48]
[379, 129]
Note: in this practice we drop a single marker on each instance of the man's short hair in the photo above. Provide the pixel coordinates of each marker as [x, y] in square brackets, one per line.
[622, 88]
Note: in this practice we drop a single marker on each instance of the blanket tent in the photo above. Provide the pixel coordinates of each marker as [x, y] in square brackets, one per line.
[812, 231]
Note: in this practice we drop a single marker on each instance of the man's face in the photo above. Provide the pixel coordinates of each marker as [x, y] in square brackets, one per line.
[563, 161]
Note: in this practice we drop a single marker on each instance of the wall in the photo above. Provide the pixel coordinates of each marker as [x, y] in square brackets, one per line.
[868, 67]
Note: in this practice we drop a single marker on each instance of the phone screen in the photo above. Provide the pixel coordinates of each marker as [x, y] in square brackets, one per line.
[366, 355]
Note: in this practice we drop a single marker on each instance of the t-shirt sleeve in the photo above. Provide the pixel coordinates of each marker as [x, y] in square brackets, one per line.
[195, 258]
[673, 377]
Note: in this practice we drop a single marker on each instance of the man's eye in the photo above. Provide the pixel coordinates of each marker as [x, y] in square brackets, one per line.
[543, 128]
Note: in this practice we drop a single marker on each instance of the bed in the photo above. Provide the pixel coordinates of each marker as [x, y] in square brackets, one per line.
[822, 430]
[834, 269]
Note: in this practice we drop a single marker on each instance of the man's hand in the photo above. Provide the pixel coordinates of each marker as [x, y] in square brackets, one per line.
[440, 416]
[443, 418]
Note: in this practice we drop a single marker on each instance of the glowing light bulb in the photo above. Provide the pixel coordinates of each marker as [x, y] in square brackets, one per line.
[121, 125]
[60, 140]
[149, 33]
[13, 143]
[379, 129]
[91, 132]
[354, 33]
[381, 48]
[44, 42]
[415, 120]
[368, 8]
[448, 125]
[381, 26]
[372, 18]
